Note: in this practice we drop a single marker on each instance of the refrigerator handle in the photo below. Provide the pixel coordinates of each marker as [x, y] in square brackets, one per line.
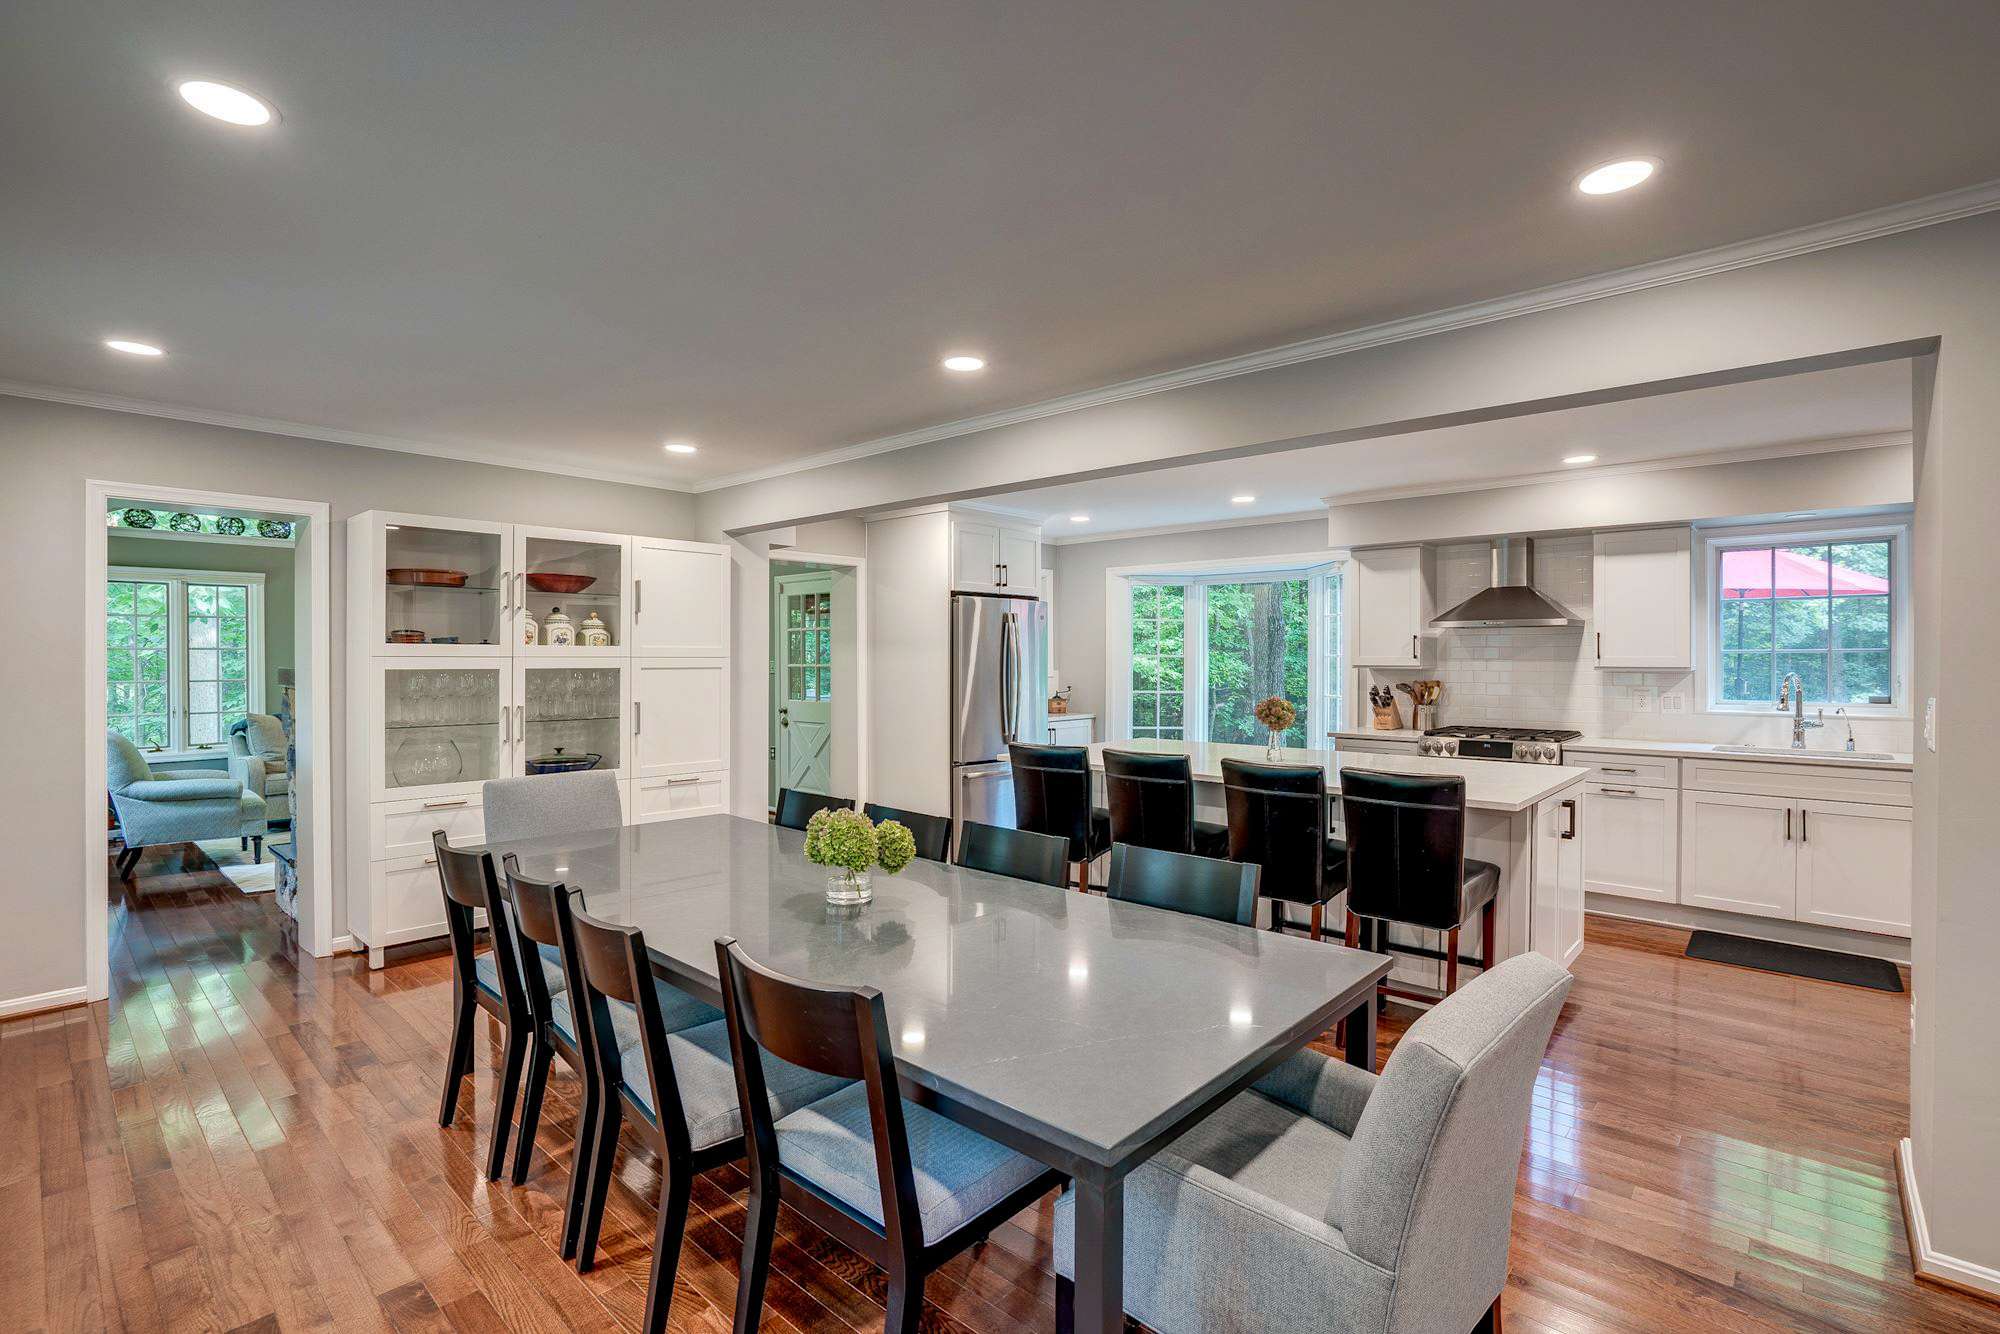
[1007, 690]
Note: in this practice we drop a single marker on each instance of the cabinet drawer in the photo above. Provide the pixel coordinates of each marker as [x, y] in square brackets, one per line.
[406, 902]
[404, 828]
[679, 797]
[1634, 846]
[1829, 782]
[1627, 770]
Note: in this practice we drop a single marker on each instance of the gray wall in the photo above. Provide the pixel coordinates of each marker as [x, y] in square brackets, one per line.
[47, 451]
[1080, 567]
[274, 561]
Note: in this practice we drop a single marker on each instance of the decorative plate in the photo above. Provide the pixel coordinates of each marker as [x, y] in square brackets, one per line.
[229, 526]
[422, 578]
[138, 518]
[273, 528]
[183, 522]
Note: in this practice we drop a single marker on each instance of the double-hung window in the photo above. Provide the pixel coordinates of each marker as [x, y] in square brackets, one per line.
[183, 655]
[1195, 649]
[1827, 606]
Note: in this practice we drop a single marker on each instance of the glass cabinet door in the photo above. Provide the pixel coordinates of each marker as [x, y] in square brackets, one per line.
[571, 598]
[445, 727]
[445, 589]
[571, 718]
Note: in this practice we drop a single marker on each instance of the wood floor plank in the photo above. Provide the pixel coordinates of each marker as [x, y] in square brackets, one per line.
[245, 1138]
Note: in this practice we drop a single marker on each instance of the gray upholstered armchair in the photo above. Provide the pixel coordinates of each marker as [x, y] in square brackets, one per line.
[175, 810]
[257, 745]
[1327, 1198]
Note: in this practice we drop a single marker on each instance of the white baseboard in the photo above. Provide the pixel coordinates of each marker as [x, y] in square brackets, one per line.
[342, 945]
[47, 1000]
[1931, 1264]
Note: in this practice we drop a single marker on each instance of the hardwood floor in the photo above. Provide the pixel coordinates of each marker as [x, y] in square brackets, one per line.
[244, 1139]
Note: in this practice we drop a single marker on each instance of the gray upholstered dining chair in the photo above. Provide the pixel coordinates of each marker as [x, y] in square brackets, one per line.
[1327, 1198]
[547, 804]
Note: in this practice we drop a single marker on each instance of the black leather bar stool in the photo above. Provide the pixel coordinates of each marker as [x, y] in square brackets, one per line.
[1052, 796]
[796, 809]
[1278, 821]
[1183, 882]
[931, 832]
[1151, 801]
[1406, 862]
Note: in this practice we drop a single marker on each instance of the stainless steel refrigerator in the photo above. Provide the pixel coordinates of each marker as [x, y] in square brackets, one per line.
[999, 694]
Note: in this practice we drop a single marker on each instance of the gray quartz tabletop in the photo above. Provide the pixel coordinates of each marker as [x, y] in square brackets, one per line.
[1089, 1023]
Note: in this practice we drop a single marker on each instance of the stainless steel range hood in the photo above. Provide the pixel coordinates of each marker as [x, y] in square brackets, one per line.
[1513, 601]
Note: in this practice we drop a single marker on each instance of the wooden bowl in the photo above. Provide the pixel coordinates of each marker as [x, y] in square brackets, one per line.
[560, 583]
[429, 578]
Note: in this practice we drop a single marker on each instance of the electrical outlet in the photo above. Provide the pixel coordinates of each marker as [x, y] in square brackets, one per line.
[1673, 701]
[1643, 698]
[1930, 724]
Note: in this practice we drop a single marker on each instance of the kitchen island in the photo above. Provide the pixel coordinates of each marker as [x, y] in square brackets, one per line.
[1524, 818]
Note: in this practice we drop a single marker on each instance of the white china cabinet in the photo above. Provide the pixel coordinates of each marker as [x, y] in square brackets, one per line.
[448, 688]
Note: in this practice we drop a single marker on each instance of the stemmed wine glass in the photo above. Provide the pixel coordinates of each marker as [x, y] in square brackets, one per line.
[416, 689]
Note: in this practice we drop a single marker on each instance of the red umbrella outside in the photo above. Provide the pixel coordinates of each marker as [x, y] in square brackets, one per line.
[1751, 574]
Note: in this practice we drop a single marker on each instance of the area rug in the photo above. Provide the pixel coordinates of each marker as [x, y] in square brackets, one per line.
[233, 861]
[1854, 970]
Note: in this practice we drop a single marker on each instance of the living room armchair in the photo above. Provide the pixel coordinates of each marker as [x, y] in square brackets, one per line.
[153, 810]
[257, 746]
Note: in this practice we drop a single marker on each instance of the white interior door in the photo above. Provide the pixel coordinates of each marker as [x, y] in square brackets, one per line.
[807, 680]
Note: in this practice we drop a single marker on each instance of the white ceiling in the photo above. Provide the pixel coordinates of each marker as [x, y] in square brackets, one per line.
[1871, 402]
[560, 234]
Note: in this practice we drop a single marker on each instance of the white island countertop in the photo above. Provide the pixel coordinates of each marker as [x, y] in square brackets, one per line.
[1490, 785]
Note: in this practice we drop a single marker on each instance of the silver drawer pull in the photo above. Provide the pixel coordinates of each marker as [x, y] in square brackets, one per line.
[1607, 769]
[441, 805]
[1618, 791]
[430, 861]
[677, 782]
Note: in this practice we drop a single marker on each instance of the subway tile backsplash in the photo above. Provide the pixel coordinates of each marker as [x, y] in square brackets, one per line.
[1549, 678]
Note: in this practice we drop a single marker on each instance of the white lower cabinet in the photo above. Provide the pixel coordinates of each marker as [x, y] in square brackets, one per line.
[1737, 853]
[1854, 866]
[1066, 731]
[680, 716]
[679, 797]
[1634, 846]
[1555, 922]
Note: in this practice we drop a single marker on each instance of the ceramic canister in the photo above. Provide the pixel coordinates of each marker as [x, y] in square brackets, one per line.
[593, 633]
[557, 631]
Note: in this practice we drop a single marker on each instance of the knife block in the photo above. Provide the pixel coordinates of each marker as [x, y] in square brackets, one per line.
[1387, 719]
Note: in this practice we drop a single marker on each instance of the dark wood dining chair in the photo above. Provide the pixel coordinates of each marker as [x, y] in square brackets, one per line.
[932, 832]
[1052, 796]
[796, 809]
[1406, 863]
[490, 982]
[1150, 798]
[1042, 858]
[851, 1162]
[679, 1087]
[1204, 886]
[542, 915]
[1278, 821]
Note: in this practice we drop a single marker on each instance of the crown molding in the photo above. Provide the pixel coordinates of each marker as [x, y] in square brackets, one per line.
[1782, 450]
[1165, 529]
[89, 398]
[1909, 216]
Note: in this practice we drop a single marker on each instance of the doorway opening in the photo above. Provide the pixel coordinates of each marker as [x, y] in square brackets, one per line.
[817, 676]
[207, 717]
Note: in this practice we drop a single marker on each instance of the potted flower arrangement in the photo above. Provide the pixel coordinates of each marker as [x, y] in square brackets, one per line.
[1277, 715]
[849, 844]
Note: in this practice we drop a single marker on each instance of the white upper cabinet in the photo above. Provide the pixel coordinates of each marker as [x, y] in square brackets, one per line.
[1390, 592]
[427, 587]
[680, 717]
[680, 599]
[1642, 600]
[991, 555]
[586, 577]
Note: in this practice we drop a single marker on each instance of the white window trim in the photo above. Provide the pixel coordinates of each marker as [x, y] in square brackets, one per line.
[179, 749]
[1901, 642]
[1118, 581]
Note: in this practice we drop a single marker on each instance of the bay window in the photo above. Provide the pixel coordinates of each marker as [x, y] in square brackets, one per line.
[1194, 650]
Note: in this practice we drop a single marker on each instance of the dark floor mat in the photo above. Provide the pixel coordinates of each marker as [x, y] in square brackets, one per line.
[1854, 970]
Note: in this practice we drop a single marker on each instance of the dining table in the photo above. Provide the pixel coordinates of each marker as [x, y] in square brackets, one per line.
[1084, 1031]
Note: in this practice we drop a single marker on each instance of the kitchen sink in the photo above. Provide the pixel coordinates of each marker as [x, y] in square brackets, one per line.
[1795, 753]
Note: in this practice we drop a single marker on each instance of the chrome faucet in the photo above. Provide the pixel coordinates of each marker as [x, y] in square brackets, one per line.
[1792, 691]
[1842, 715]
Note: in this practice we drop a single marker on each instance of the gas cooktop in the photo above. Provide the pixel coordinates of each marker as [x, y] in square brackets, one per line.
[1528, 745]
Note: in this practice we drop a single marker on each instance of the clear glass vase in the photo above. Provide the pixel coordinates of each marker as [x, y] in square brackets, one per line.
[1271, 746]
[849, 887]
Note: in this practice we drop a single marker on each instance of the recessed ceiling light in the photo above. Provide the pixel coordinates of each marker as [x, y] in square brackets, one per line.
[225, 103]
[1243, 500]
[1580, 458]
[1079, 518]
[678, 447]
[1612, 177]
[131, 348]
[964, 363]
